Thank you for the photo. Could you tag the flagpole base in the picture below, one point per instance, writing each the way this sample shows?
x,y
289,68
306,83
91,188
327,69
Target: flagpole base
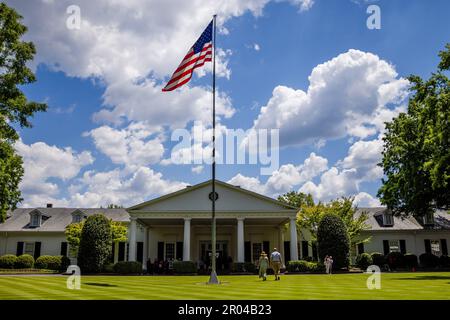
x,y
213,278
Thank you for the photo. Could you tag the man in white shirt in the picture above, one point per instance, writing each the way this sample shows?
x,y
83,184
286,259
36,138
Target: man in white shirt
x,y
275,259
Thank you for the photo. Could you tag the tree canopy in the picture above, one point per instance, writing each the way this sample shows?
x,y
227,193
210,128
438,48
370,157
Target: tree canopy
x,y
14,106
416,153
73,234
309,218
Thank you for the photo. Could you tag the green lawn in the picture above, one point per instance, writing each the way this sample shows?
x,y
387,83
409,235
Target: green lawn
x,y
340,286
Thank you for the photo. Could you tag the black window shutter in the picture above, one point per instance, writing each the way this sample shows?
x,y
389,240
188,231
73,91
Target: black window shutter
x,y
360,248
160,250
19,248
403,246
37,250
386,247
113,249
140,251
121,251
444,248
266,247
247,251
427,246
305,249
314,251
287,252
63,249
179,255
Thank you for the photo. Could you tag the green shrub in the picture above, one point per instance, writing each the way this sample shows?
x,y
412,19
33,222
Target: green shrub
x,y
240,267
298,266
332,239
428,260
309,259
237,267
395,260
24,261
364,260
444,261
249,267
305,266
128,267
8,261
378,259
57,263
411,260
184,267
108,268
95,244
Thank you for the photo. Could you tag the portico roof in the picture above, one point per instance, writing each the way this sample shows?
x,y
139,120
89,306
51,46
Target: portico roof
x,y
232,202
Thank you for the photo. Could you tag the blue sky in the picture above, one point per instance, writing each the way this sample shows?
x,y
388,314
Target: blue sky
x,y
320,75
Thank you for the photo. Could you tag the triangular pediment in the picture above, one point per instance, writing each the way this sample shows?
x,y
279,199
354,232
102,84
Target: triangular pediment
x,y
196,199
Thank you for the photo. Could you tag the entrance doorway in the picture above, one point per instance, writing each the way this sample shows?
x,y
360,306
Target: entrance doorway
x,y
223,261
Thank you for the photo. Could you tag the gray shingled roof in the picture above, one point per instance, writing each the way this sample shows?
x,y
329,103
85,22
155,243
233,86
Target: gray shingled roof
x,y
375,220
57,218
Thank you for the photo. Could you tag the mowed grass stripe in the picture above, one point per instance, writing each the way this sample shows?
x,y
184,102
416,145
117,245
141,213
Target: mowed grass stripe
x,y
340,286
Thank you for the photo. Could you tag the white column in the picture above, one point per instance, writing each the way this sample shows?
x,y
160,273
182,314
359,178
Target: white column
x,y
145,255
281,244
187,240
132,239
240,240
293,228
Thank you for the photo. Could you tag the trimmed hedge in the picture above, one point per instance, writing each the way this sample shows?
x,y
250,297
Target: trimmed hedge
x,y
24,261
395,260
184,267
8,261
364,260
411,260
304,266
58,263
128,267
428,260
378,259
240,267
444,261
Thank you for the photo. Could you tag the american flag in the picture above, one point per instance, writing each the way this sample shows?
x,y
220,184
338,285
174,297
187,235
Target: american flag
x,y
200,53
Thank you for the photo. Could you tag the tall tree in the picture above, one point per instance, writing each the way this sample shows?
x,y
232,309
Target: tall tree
x,y
14,106
309,218
297,199
333,240
95,243
416,154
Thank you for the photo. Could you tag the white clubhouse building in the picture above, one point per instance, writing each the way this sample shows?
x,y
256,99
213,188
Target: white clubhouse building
x,y
177,226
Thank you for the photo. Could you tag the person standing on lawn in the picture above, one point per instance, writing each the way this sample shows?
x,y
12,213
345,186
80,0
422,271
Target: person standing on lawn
x,y
275,258
263,265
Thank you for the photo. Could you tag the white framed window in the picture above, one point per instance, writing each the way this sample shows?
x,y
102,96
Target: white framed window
x,y
256,251
77,218
28,248
35,220
170,250
388,219
435,247
394,245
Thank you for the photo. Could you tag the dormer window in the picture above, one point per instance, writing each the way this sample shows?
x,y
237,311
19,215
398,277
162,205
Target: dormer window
x,y
428,219
35,219
77,216
388,219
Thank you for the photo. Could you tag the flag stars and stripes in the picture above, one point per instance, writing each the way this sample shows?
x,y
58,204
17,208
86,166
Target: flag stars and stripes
x,y
200,53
